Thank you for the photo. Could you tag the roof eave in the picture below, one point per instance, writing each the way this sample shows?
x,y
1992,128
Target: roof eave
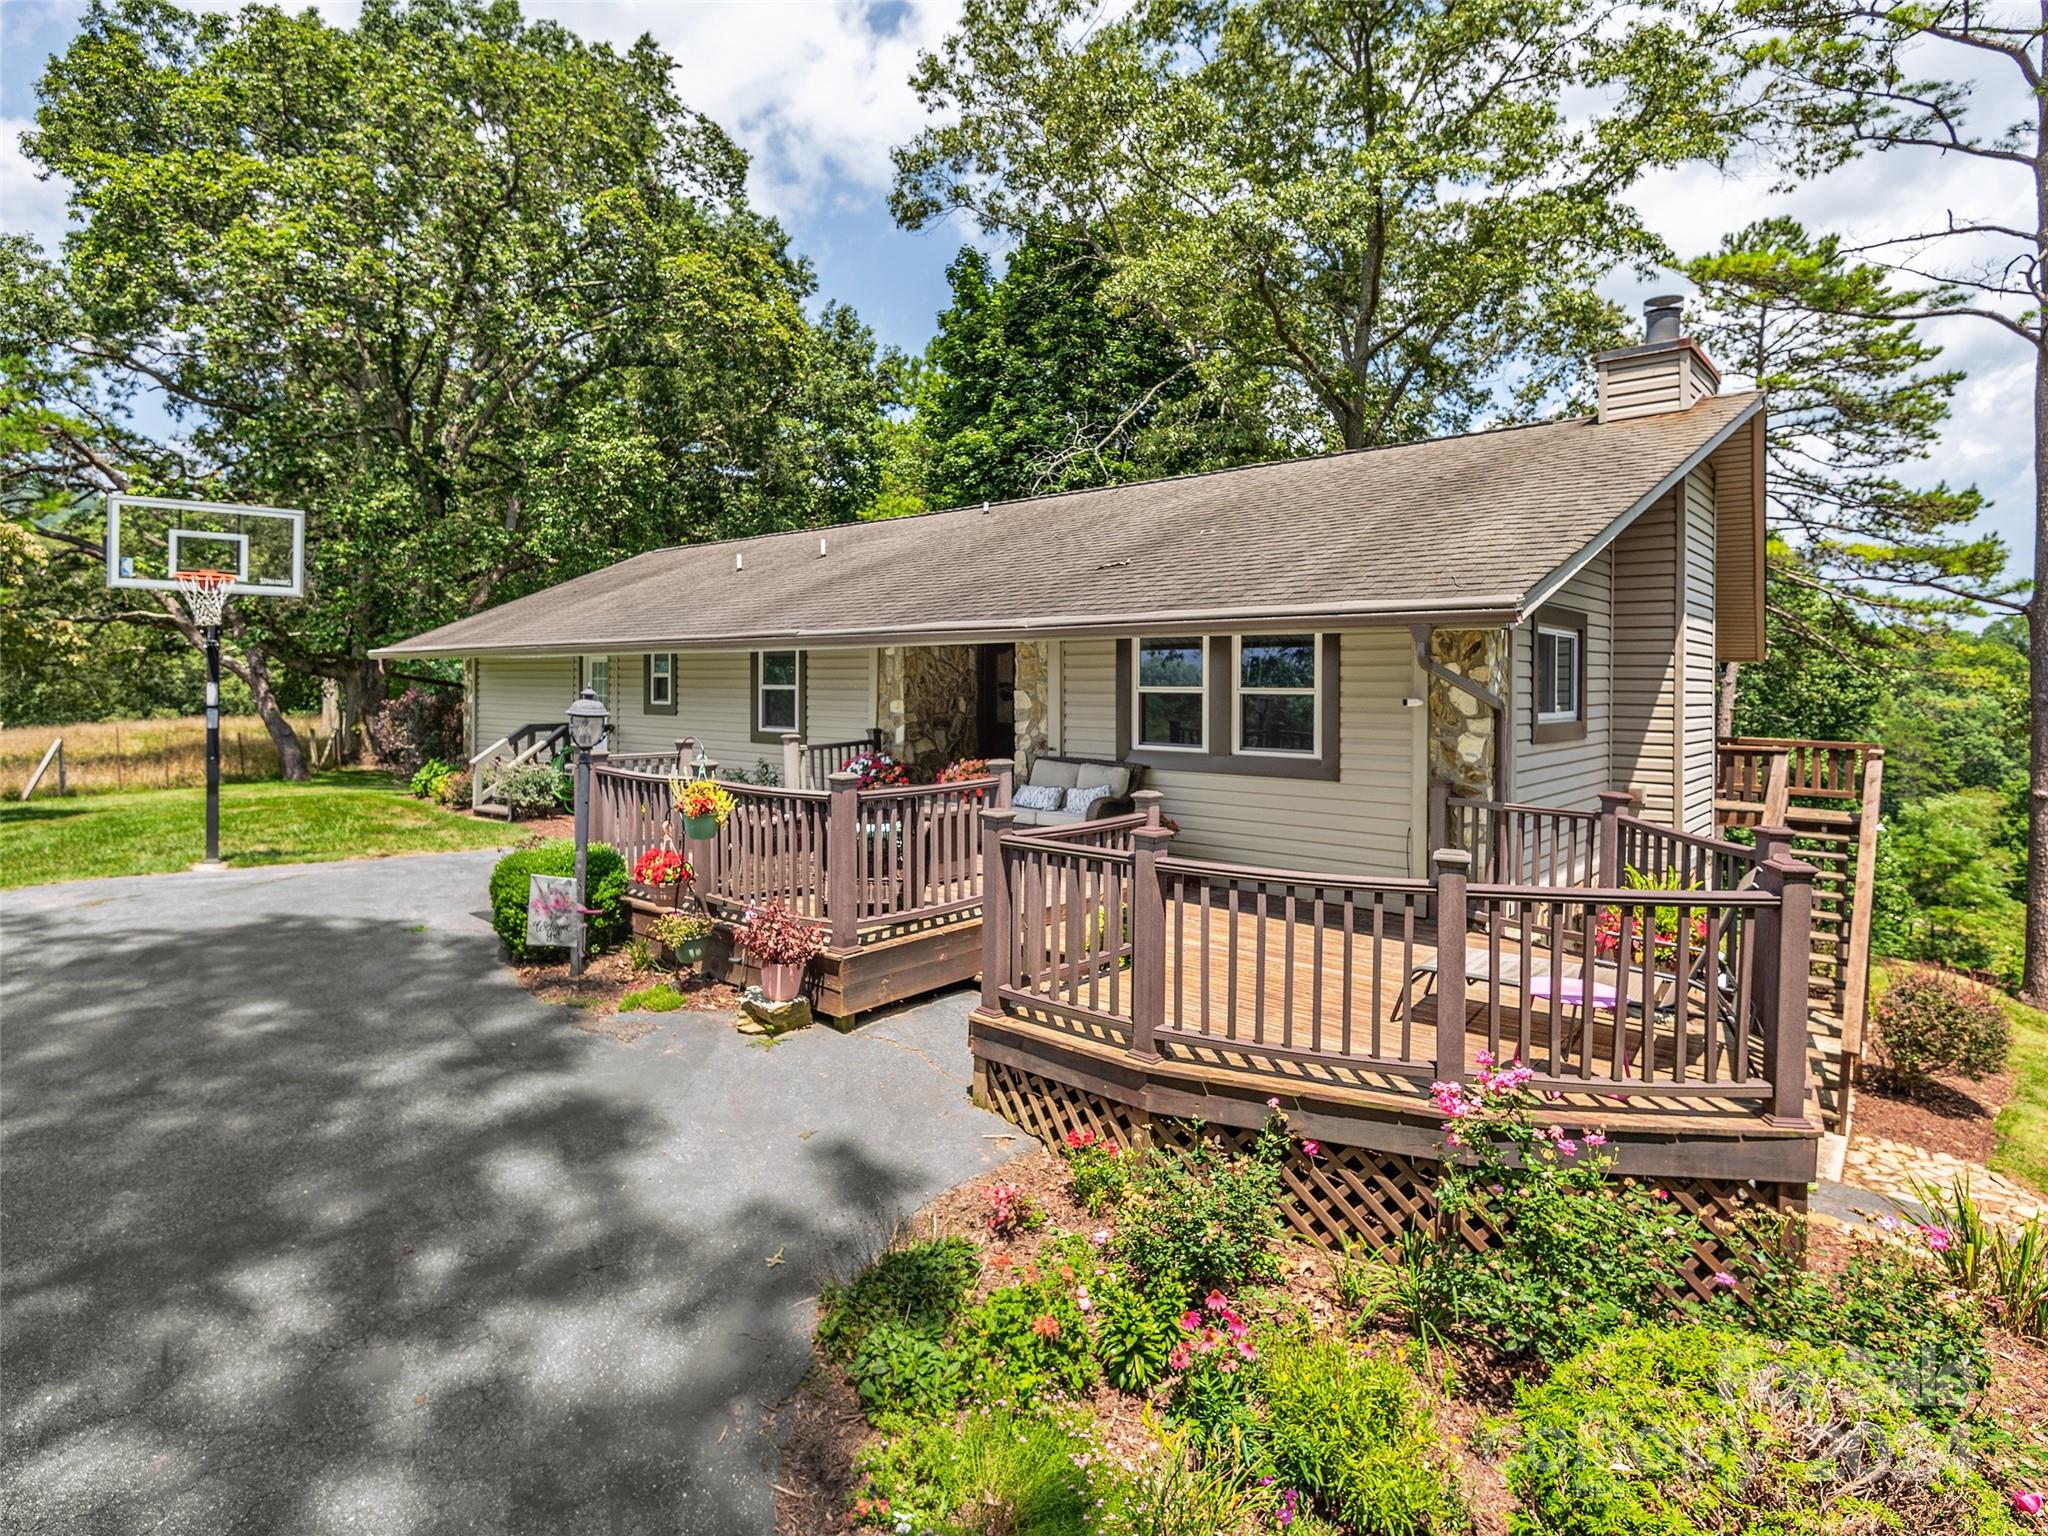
x,y
1482,610
1549,586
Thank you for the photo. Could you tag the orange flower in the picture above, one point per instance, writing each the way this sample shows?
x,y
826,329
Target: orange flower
x,y
1046,1326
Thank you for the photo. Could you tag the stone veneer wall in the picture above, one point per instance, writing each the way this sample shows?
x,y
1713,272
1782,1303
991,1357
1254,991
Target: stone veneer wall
x,y
1033,703
926,703
1462,730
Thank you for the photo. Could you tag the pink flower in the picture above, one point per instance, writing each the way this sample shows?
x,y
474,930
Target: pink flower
x,y
1311,1149
1227,1367
1723,1279
1568,1147
1216,1301
1596,1138
2025,1502
1272,1103
1661,1194
1180,1359
1484,1058
1937,1238
1100,1237
1191,1321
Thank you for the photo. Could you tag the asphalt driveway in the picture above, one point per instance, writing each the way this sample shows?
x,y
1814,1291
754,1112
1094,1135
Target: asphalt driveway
x,y
311,1220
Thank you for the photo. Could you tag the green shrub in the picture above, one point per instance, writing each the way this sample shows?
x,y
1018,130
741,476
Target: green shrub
x,y
428,778
1578,1254
1100,1171
1893,1306
988,1473
1350,1431
1135,1332
1199,1217
1179,1494
1677,1431
921,1287
897,1369
659,998
1028,1341
605,890
528,789
1928,1022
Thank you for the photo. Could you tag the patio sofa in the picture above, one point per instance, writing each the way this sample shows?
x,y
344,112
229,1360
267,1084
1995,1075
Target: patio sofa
x,y
1066,775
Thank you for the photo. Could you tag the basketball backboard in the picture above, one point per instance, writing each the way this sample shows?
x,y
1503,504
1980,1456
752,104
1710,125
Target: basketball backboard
x,y
152,538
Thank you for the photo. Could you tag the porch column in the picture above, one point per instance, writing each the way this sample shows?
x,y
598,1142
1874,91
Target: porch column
x,y
995,907
792,761
1148,928
1453,868
1788,946
1614,803
843,860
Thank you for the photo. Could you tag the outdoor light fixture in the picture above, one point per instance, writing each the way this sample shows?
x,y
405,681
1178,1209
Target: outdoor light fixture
x,y
587,720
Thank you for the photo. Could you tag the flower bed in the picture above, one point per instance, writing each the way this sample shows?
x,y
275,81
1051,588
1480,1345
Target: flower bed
x,y
1120,1339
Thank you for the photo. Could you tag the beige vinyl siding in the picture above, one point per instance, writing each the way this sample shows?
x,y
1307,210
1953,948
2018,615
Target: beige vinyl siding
x,y
839,694
1646,658
1088,698
1569,773
1670,379
714,703
1361,823
1738,546
511,691
1696,740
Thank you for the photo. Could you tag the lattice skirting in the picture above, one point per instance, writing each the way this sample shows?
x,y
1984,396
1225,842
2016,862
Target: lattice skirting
x,y
1349,1193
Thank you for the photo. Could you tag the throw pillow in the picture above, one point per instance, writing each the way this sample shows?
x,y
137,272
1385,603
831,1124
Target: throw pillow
x,y
1037,797
1081,799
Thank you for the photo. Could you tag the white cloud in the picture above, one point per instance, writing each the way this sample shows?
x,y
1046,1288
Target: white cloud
x,y
28,204
817,93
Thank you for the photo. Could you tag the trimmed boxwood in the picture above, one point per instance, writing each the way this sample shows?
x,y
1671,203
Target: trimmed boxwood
x,y
605,873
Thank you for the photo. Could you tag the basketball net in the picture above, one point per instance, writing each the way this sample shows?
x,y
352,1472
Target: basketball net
x,y
206,594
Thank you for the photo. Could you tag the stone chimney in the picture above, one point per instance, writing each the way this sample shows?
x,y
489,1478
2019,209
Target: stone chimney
x,y
1667,371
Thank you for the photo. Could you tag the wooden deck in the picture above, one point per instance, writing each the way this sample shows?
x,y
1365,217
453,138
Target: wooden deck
x,y
1283,1004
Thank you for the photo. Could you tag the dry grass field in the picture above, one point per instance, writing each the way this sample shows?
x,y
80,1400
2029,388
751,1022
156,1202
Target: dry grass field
x,y
139,754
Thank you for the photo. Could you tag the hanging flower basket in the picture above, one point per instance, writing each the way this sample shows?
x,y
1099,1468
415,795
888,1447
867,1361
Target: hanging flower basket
x,y
704,804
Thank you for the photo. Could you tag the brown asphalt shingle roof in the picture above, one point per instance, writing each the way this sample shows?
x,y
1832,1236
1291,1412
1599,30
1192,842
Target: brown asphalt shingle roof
x,y
1461,525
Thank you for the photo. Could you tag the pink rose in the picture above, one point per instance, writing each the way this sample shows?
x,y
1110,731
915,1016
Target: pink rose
x,y
2025,1502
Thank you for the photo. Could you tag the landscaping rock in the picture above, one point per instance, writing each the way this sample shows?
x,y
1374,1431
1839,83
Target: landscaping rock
x,y
758,1016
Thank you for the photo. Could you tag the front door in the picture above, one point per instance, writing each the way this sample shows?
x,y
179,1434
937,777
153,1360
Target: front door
x,y
995,726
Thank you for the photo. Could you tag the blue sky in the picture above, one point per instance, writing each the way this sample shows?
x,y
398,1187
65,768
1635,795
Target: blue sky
x,y
818,93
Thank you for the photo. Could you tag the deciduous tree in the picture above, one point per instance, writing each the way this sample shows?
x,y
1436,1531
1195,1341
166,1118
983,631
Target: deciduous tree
x,y
1381,212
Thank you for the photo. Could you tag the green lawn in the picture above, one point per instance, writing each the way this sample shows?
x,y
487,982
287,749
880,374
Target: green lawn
x,y
337,816
2023,1124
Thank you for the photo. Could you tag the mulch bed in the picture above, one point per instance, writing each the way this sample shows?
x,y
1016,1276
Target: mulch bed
x,y
607,978
1943,1114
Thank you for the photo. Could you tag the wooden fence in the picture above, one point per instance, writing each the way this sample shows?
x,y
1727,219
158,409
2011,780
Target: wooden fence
x,y
1604,990
863,863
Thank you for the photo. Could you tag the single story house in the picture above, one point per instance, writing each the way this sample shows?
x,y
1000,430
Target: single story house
x,y
1292,652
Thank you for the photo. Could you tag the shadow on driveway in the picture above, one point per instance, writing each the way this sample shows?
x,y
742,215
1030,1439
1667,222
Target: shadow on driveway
x,y
315,1221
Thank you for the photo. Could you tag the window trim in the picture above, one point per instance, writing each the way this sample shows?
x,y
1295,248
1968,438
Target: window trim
x,y
649,704
1327,768
1313,692
759,731
1138,691
585,677
1557,725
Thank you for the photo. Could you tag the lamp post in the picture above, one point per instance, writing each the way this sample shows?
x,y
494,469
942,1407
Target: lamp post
x,y
587,722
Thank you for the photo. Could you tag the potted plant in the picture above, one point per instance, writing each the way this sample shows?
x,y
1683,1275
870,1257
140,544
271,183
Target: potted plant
x,y
705,805
963,770
660,868
781,943
682,934
877,770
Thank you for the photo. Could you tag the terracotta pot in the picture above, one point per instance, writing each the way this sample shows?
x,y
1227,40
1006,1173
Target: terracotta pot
x,y
782,983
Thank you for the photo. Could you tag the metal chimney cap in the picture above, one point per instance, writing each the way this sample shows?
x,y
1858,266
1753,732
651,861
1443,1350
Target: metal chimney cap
x,y
1664,317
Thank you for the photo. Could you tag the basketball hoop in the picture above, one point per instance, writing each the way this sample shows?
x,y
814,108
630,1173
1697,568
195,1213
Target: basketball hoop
x,y
206,594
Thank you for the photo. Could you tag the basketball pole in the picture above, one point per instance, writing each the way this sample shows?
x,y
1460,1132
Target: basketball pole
x,y
212,633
